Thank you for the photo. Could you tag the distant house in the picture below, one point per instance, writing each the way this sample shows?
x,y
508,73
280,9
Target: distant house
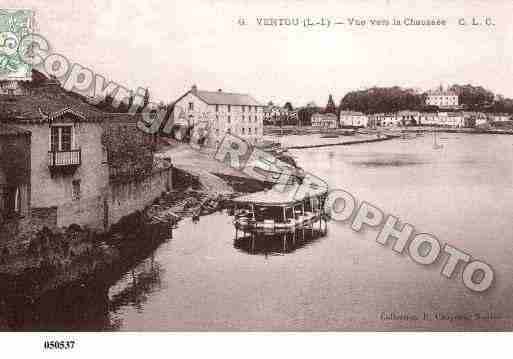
x,y
407,118
384,119
448,119
353,118
276,115
481,119
428,118
324,120
222,112
442,98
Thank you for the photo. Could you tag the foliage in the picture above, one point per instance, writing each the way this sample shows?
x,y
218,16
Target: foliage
x,y
129,151
305,114
473,97
330,107
382,100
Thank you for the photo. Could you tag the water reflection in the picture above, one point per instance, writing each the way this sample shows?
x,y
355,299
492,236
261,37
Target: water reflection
x,y
134,288
91,306
278,244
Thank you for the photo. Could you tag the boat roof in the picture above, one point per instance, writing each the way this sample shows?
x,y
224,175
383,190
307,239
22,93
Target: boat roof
x,y
280,196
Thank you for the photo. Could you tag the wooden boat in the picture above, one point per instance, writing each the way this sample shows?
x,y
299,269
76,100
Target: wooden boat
x,y
276,211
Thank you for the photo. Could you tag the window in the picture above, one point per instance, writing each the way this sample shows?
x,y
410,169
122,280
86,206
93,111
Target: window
x,y
229,108
229,130
242,118
243,132
249,129
217,108
60,138
191,106
243,108
229,119
75,190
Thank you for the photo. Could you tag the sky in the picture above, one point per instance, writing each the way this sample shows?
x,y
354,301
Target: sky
x,y
168,46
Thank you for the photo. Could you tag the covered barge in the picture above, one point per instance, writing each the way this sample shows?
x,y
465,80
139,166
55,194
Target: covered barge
x,y
280,211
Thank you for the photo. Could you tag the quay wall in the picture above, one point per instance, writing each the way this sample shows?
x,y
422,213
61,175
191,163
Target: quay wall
x,y
127,197
118,199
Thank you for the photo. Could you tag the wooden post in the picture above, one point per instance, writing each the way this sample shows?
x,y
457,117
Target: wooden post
x,y
284,242
284,214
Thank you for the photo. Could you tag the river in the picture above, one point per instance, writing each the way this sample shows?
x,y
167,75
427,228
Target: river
x,y
202,280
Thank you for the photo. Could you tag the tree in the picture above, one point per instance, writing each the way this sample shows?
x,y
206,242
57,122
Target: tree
x,y
381,99
305,114
146,99
473,97
330,107
288,106
131,99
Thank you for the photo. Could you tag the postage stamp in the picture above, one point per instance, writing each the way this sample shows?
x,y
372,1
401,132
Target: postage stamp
x,y
14,25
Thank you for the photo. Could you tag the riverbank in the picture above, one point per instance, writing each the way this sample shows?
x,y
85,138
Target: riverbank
x,y
429,129
76,256
345,143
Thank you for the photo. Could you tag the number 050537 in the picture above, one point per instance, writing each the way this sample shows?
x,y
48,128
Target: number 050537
x,y
59,344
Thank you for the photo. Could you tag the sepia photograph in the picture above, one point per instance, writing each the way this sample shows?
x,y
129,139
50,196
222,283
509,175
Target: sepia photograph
x,y
255,166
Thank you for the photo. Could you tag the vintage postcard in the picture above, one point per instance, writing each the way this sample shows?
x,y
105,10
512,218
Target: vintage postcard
x,y
222,165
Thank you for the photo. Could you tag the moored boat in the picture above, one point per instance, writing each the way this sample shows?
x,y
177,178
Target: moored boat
x,y
276,211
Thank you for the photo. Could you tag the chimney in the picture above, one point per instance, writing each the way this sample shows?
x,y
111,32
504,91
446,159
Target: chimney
x,y
219,90
194,89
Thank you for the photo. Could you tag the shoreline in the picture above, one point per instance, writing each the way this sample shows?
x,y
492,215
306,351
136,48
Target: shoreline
x,y
471,131
101,259
346,143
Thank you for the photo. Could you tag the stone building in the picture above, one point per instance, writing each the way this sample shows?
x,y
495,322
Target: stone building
x,y
442,98
68,163
324,120
62,163
353,118
220,112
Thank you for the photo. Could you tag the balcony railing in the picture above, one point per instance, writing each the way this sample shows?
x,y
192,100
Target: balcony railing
x,y
70,158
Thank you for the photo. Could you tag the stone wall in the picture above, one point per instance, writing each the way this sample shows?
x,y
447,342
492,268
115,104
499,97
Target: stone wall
x,y
43,217
119,199
86,212
129,196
